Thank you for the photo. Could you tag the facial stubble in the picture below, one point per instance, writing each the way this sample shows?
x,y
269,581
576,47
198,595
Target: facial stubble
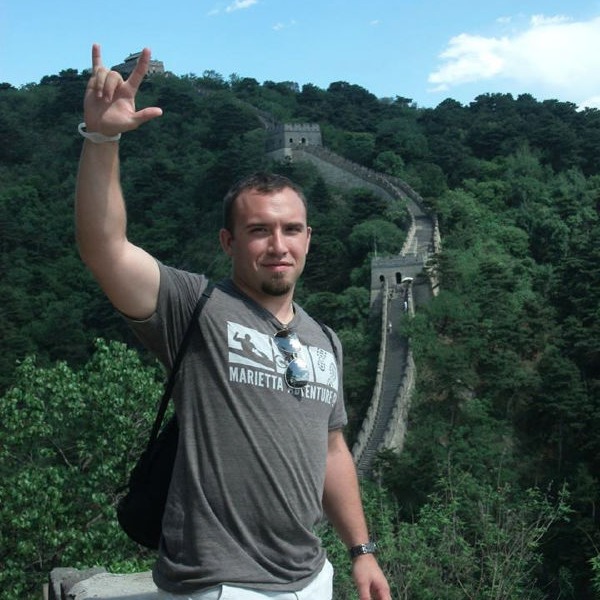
x,y
276,286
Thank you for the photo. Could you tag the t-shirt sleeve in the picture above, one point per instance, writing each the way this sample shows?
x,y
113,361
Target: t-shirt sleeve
x,y
163,331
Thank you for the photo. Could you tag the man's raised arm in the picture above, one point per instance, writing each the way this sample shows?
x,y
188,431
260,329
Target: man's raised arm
x,y
128,274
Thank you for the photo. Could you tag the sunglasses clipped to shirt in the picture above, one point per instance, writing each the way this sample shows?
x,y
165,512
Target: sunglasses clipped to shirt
x,y
296,373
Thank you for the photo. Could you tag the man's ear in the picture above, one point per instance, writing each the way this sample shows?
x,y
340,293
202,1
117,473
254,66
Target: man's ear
x,y
308,236
226,240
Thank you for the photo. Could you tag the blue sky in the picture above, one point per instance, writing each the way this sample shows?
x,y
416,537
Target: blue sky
x,y
419,49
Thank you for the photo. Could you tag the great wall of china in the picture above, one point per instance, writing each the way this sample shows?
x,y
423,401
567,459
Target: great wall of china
x,y
398,284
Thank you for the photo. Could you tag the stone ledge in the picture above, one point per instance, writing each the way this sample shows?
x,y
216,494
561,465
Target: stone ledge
x,y
63,579
71,584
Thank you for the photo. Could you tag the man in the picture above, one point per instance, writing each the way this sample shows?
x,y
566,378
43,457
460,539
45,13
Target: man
x,y
259,397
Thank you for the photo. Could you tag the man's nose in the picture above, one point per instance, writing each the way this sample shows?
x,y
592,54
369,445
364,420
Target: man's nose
x,y
278,245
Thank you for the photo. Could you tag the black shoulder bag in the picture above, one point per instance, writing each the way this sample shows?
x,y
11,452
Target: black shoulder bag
x,y
141,509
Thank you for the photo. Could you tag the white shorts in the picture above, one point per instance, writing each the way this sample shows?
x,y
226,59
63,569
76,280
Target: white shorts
x,y
320,588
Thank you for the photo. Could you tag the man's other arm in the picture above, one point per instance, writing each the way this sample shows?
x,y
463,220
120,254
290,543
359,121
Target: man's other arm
x,y
343,506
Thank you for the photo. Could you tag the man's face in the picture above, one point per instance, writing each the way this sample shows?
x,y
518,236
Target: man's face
x,y
269,242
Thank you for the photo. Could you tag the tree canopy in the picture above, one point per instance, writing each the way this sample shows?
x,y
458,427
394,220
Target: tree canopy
x,y
500,473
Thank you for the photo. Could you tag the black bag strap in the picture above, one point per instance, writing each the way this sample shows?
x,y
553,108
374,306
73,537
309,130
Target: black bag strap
x,y
327,332
162,408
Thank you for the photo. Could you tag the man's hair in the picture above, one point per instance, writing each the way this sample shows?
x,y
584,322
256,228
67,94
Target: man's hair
x,y
262,182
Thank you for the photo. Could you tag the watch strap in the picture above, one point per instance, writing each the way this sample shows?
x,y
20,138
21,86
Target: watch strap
x,y
360,549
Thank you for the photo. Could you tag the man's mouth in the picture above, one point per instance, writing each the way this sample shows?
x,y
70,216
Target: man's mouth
x,y
277,266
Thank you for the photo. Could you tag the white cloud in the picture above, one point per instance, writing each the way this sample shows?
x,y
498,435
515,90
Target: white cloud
x,y
552,54
592,102
279,26
469,58
240,5
541,20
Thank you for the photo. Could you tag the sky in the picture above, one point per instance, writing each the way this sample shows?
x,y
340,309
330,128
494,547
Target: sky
x,y
423,50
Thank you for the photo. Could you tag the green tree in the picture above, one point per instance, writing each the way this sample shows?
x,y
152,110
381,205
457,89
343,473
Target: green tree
x,y
351,106
375,235
390,163
404,137
358,147
68,439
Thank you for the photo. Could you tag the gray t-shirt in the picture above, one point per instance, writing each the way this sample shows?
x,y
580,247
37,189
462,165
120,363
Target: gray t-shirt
x,y
248,480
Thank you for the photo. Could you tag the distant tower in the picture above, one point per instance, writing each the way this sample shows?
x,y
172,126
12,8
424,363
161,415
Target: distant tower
x,y
125,68
284,137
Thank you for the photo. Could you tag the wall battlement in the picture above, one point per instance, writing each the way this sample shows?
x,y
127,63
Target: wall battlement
x,y
283,137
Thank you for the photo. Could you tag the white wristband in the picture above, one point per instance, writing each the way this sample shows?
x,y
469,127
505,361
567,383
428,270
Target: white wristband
x,y
97,138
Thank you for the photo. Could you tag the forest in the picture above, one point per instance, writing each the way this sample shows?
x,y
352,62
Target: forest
x,y
494,495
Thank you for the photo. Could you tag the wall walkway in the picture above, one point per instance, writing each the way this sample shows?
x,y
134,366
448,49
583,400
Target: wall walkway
x,y
398,285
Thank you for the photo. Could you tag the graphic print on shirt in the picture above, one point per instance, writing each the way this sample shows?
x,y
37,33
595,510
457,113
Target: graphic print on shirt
x,y
254,359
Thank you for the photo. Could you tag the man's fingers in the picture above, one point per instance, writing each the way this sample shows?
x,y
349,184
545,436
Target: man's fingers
x,y
112,81
104,83
110,101
96,57
97,82
141,68
147,114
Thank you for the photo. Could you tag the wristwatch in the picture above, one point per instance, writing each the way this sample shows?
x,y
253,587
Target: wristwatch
x,y
368,548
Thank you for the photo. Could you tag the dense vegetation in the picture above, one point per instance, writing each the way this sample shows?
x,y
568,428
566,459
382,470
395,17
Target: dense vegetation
x,y
495,493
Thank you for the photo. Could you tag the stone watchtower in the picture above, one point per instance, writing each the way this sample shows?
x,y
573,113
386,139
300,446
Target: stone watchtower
x,y
284,137
397,271
127,66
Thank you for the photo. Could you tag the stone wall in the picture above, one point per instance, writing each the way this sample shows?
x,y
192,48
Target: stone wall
x,y
74,584
366,430
385,272
396,429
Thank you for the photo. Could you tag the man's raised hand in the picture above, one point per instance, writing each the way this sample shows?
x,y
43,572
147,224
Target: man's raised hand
x,y
109,105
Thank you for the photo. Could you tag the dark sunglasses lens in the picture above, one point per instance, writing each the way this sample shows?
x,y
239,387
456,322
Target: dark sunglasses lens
x,y
296,374
288,342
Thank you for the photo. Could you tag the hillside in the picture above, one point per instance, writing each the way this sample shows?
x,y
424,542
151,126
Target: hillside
x,y
507,354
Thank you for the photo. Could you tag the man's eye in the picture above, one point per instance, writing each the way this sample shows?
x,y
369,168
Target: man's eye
x,y
258,230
